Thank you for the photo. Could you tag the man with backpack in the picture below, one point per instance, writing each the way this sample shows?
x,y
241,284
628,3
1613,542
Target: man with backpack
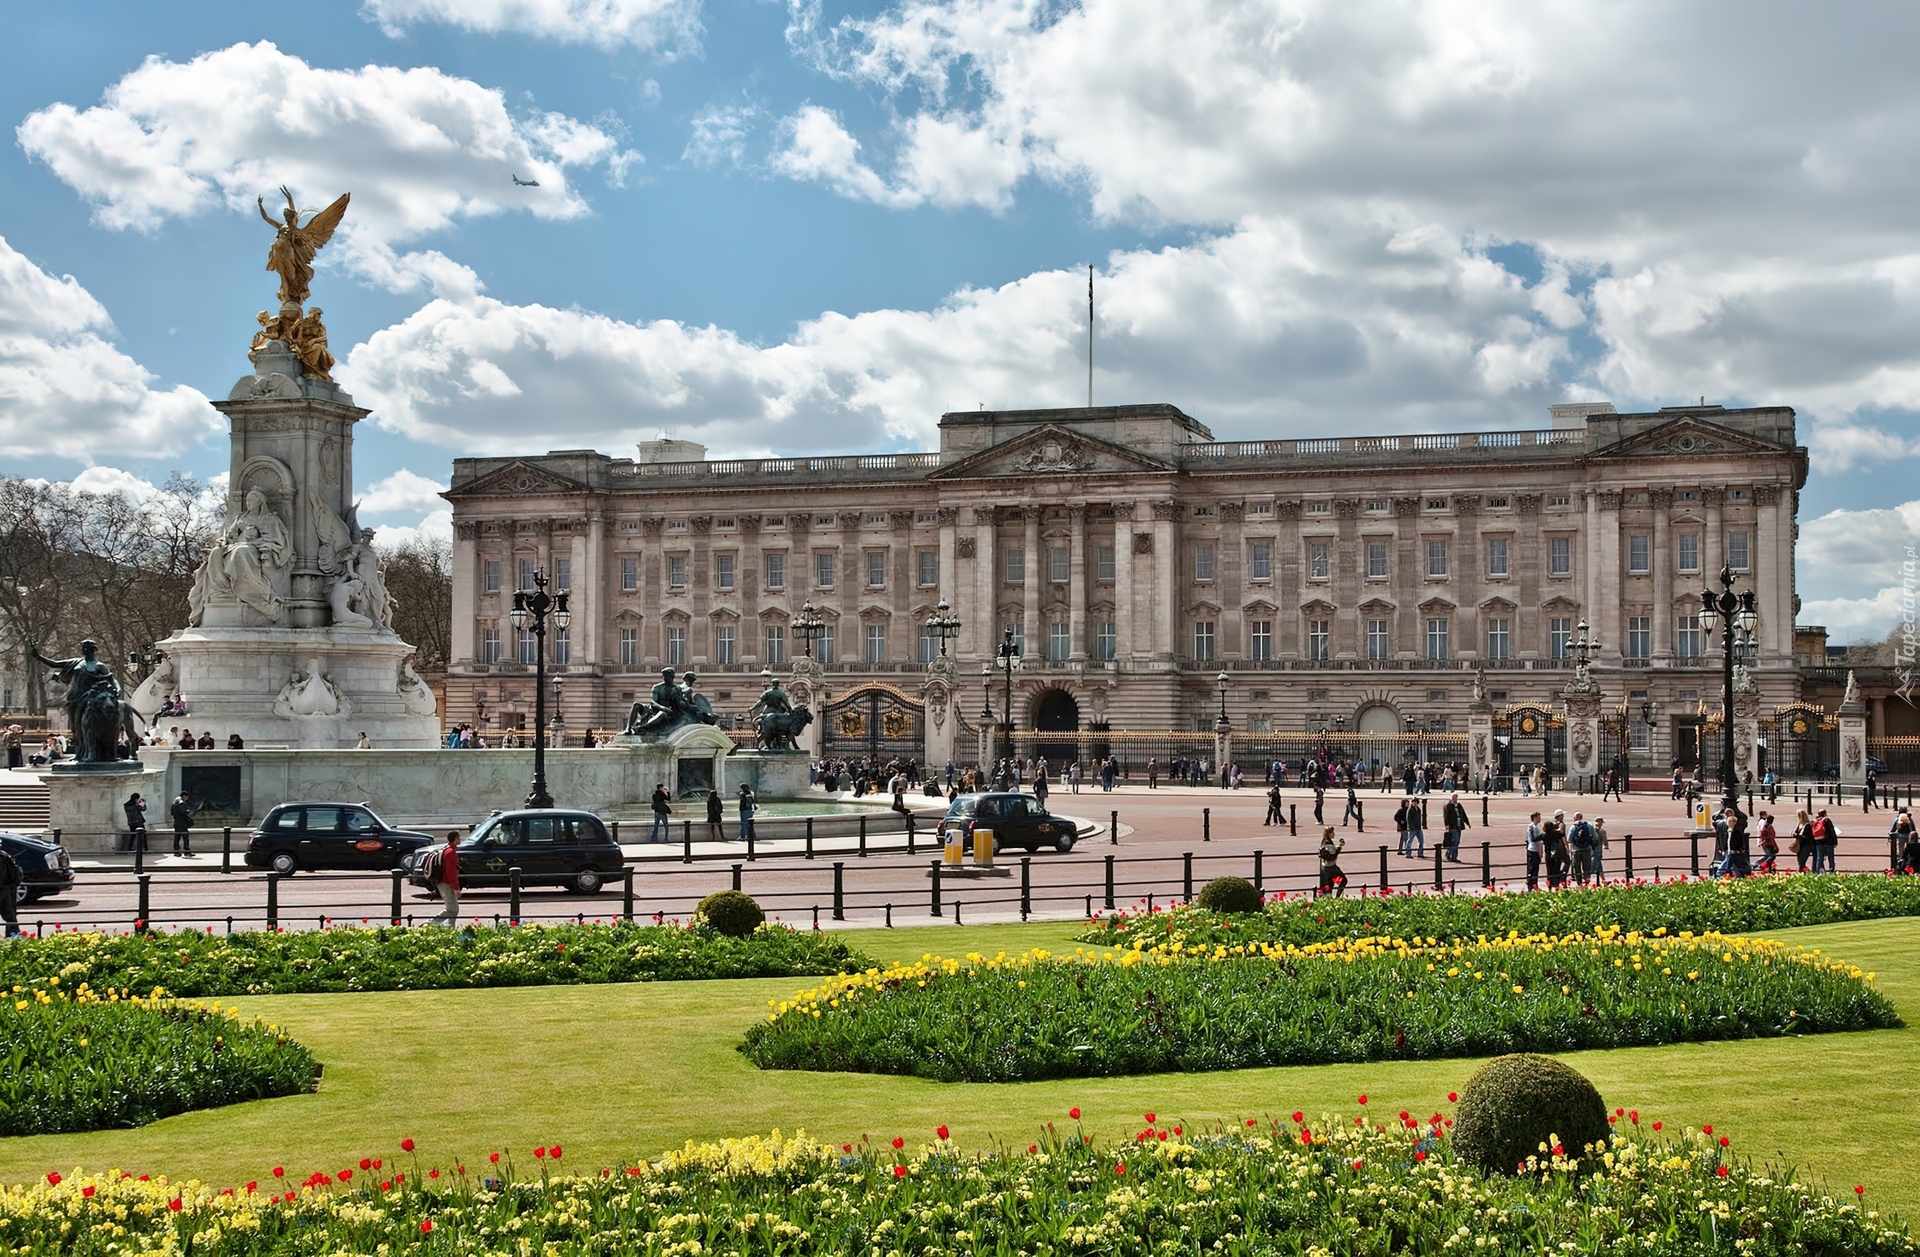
x,y
1581,839
1826,841
440,871
661,831
1453,818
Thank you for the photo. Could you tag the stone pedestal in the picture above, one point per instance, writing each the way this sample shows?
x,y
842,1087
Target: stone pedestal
x,y
771,774
689,761
1482,762
89,807
1582,699
1746,735
1853,735
235,681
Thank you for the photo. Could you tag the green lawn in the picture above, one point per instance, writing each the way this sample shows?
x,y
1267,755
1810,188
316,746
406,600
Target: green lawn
x,y
615,1072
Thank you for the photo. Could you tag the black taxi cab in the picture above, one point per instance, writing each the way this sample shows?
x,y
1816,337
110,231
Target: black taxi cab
x,y
297,837
550,847
1017,820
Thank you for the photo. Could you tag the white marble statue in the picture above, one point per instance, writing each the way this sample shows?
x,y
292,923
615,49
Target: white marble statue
x,y
309,694
152,692
416,693
357,592
254,550
342,594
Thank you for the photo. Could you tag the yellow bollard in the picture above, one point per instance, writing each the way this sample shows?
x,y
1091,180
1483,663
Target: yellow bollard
x,y
955,846
983,848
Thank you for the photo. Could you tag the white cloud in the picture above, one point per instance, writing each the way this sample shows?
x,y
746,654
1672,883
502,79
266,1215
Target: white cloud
x,y
662,26
419,149
1857,621
1852,550
719,135
105,480
1262,329
436,524
401,492
66,390
814,146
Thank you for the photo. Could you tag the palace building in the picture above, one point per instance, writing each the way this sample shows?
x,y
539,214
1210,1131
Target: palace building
x,y
1347,587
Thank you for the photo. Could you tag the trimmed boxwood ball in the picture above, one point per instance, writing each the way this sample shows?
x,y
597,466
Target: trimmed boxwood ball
x,y
731,912
1230,894
1513,1104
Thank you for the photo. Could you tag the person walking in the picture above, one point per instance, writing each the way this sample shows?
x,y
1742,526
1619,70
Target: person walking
x,y
442,873
1453,818
1319,804
1400,826
1906,844
662,808
1273,807
1676,781
1580,842
1040,787
1599,853
10,878
182,814
1802,840
748,806
1417,828
1739,862
1536,849
136,810
1353,805
1826,841
1331,877
716,817
1153,774
1870,795
1354,809
1769,845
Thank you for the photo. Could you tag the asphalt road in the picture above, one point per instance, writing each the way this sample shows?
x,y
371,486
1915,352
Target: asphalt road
x,y
1162,835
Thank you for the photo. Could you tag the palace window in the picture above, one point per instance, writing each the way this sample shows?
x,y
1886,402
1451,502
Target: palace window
x,y
1498,504
1496,556
776,644
1737,557
490,645
1686,637
823,647
1559,556
526,573
676,572
823,571
1499,637
1318,508
1259,508
1639,637
1560,501
929,645
776,562
493,576
676,645
1319,560
1376,560
1318,639
1203,512
1103,640
1019,628
1379,506
1203,563
1559,633
527,648
629,647
1260,640
929,561
1639,552
1437,557
723,653
1016,567
876,569
1059,645
562,648
562,574
1103,563
876,643
1436,637
1059,566
1261,565
1202,641
1689,557
723,571
629,573
1376,639
1436,504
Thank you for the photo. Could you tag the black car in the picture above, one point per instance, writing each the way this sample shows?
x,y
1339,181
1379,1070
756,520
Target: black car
x,y
310,836
550,847
44,866
1017,820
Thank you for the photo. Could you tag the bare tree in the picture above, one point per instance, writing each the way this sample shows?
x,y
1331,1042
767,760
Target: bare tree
x,y
419,575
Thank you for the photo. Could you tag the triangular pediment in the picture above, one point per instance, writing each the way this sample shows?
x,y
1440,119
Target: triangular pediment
x,y
1689,437
1052,450
516,479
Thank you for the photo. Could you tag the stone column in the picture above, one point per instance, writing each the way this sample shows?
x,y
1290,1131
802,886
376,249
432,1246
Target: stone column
x,y
1469,569
1123,550
1033,578
1746,731
1166,580
903,630
1582,700
1527,561
591,588
1349,577
1481,760
1287,583
1077,586
1409,578
700,592
848,583
948,585
1601,604
1712,539
466,584
1772,569
1662,559
1853,735
1230,578
986,578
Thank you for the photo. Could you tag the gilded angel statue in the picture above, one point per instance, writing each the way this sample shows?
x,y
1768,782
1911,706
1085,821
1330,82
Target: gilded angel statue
x,y
294,244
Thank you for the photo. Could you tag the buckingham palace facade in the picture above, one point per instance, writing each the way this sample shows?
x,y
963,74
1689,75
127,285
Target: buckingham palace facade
x,y
1346,583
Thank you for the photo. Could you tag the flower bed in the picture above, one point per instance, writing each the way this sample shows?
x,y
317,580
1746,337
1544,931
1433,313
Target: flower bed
x,y
1170,1008
1729,905
88,1060
1263,1187
269,963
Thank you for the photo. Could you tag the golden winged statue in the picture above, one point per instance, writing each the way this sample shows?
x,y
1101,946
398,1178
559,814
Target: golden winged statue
x,y
294,244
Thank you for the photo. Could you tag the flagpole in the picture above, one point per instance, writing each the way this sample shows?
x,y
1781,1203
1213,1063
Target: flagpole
x,y
1089,336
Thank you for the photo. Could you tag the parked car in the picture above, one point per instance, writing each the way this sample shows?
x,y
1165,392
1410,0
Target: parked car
x,y
1830,771
44,866
1017,820
550,847
303,837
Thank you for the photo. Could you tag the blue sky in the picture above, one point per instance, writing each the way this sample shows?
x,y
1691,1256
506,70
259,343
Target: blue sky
x,y
813,226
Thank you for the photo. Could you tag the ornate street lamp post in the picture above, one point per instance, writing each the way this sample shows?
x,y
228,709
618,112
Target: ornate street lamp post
x,y
531,611
1008,653
559,717
808,627
943,625
1737,615
144,660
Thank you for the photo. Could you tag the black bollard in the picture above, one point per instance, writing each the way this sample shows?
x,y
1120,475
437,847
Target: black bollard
x,y
1206,824
1695,840
912,844
1109,883
750,837
1113,829
839,891
1293,820
1629,842
1483,811
626,895
226,849
1486,864
273,901
399,882
936,890
1026,886
1259,871
809,842
1439,866
1383,869
513,895
616,832
144,913
686,844
1186,878
736,876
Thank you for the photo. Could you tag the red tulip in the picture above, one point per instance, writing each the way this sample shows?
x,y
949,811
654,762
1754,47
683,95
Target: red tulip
x,y
1721,1171
1249,1121
87,1190
1121,1168
366,1163
1453,1097
251,1184
1363,1098
345,1175
899,1171
1657,1125
554,1152
176,1204
1859,1190
1032,1148
540,1153
494,1157
940,1131
1724,1141
1074,1112
406,1145
1298,1116
426,1225
53,1178
279,1171
1149,1119
899,1142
